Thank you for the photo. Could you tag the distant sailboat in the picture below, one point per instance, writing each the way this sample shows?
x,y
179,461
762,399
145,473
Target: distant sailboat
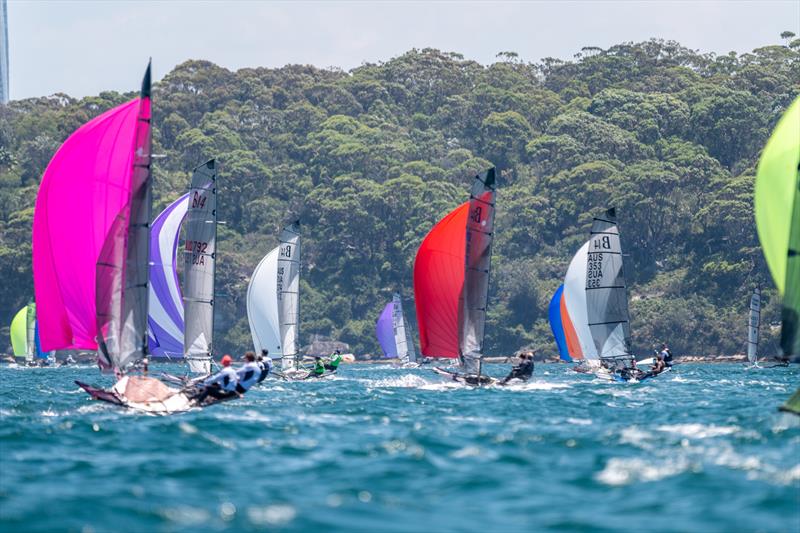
x,y
25,337
391,332
273,300
753,327
451,279
165,301
199,268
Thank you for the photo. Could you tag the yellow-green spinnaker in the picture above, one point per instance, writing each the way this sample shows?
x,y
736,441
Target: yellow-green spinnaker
x,y
19,332
777,197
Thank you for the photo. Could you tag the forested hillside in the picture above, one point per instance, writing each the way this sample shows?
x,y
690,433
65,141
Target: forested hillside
x,y
370,159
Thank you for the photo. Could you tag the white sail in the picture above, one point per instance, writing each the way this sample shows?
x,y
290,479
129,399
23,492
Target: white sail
x,y
262,306
30,331
606,295
477,260
405,349
575,300
199,268
288,293
754,326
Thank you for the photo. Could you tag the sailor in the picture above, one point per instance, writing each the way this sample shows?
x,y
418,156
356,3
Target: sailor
x,y
220,385
522,371
666,354
248,374
265,363
333,361
319,367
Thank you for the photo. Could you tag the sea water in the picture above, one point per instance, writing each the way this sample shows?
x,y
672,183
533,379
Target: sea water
x,y
702,448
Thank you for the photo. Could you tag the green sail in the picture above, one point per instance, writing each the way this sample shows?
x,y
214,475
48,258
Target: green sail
x,y
778,218
19,333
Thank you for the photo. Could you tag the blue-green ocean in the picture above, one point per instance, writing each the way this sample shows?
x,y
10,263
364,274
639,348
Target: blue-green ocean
x,y
701,448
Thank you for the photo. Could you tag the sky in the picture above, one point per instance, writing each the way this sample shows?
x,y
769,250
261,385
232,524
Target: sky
x,y
84,47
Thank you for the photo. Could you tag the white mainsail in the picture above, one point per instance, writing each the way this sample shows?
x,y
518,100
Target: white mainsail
x,y
273,303
30,331
405,349
606,295
754,326
199,268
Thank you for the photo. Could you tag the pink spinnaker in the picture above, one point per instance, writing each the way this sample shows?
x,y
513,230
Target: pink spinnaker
x,y
84,188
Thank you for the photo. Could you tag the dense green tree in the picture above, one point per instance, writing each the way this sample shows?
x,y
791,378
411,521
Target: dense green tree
x,y
370,159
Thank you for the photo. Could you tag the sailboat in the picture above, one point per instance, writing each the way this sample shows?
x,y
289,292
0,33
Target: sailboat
x,y
25,338
451,282
777,209
165,301
273,302
91,236
390,329
200,266
753,327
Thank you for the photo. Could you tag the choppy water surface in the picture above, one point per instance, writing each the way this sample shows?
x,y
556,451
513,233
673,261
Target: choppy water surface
x,y
702,448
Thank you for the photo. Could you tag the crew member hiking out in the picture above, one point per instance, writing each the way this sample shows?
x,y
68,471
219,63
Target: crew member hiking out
x,y
319,367
666,354
523,370
249,373
266,365
333,361
220,385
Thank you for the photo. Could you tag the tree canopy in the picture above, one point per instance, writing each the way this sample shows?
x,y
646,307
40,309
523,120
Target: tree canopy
x,y
370,159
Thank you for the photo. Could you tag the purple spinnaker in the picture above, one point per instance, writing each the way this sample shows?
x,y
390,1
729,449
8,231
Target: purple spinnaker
x,y
165,304
385,331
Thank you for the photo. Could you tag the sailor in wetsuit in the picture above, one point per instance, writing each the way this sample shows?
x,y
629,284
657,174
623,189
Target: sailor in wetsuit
x,y
220,385
249,373
522,371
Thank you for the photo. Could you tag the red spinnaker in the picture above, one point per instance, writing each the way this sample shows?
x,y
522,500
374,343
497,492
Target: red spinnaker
x,y
438,281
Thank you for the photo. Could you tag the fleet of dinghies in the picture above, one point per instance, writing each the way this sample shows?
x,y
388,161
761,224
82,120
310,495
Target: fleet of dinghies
x,y
106,279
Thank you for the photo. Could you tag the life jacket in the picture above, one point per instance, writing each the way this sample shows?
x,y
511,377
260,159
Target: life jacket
x,y
319,367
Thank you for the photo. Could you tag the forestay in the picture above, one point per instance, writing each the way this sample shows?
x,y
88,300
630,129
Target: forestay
x,y
165,302
199,268
477,262
606,295
753,326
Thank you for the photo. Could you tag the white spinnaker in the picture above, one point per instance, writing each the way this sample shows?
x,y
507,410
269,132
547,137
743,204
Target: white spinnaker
x,y
262,306
288,293
405,349
754,326
575,299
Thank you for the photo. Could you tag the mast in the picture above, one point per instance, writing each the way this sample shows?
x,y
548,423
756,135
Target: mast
x,y
754,326
200,268
474,297
123,264
606,293
288,293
